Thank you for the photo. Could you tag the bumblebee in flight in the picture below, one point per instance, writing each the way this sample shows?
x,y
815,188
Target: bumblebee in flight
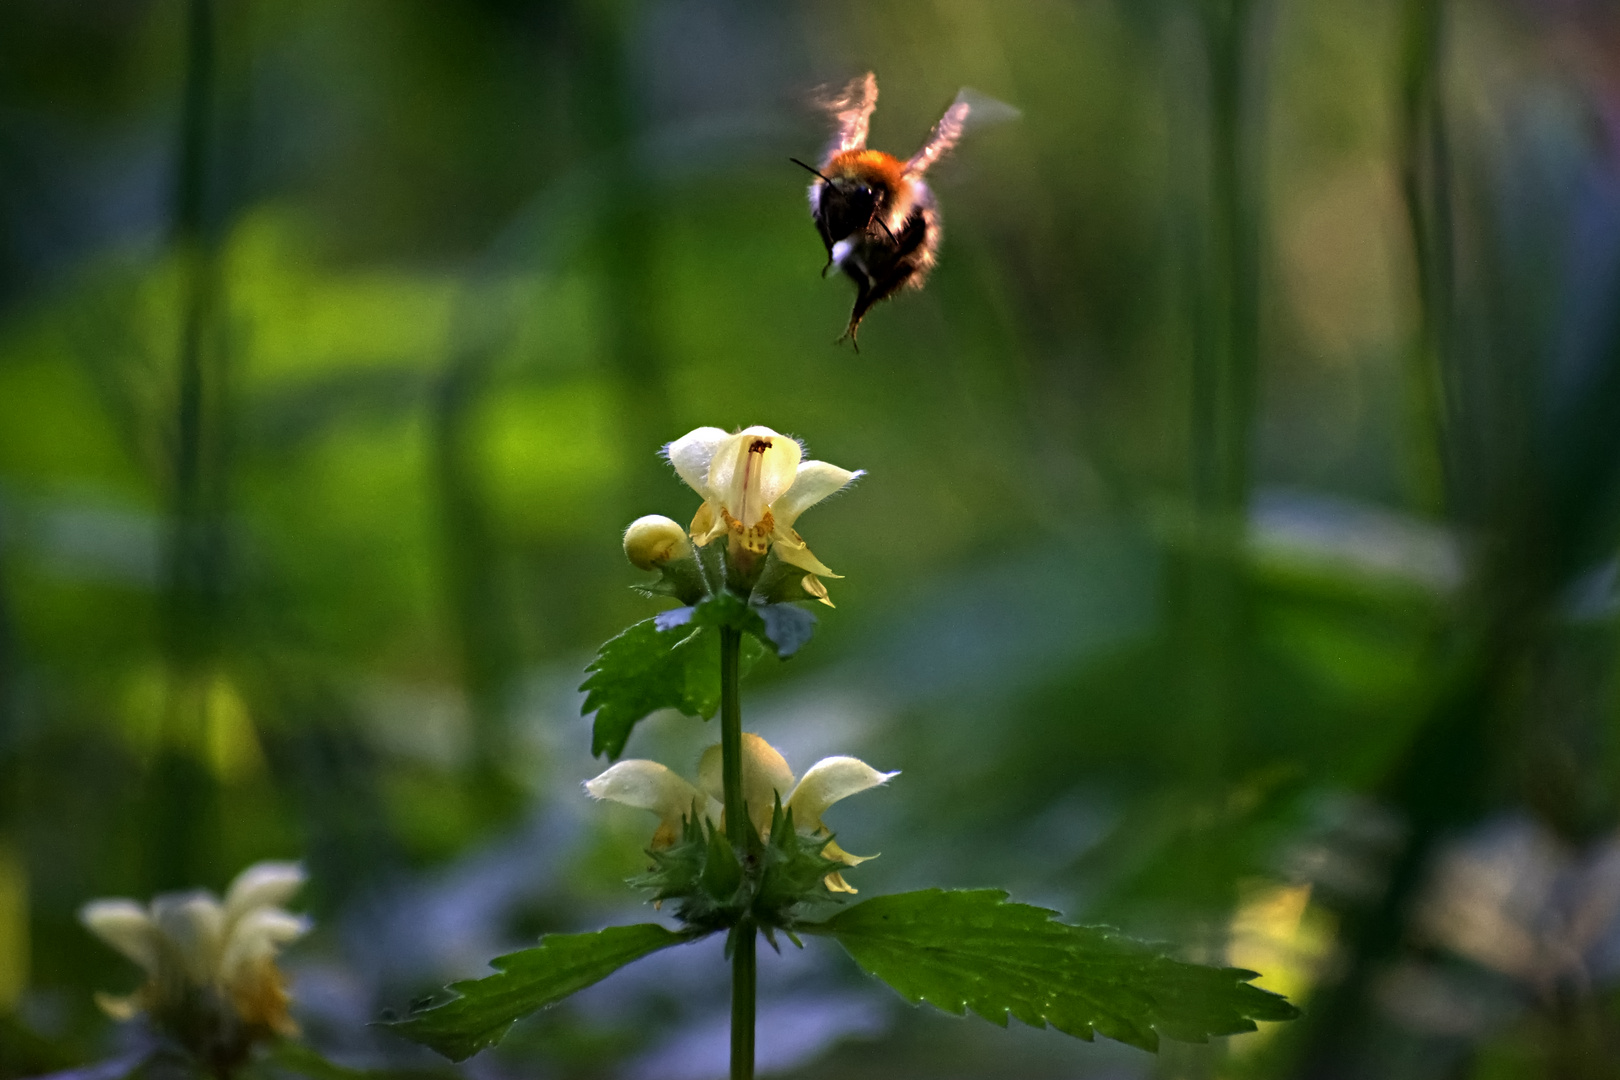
x,y
875,214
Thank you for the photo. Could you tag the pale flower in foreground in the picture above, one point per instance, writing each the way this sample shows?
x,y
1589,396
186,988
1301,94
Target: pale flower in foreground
x,y
211,976
766,777
754,487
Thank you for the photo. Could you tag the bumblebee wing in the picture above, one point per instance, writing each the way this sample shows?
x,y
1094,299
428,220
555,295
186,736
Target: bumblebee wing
x,y
852,113
969,103
942,138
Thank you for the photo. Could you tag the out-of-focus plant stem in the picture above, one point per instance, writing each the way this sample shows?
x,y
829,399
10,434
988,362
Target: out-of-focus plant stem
x,y
1224,372
181,796
1207,594
1223,354
489,656
1438,785
1224,360
627,229
737,825
1372,935
1426,187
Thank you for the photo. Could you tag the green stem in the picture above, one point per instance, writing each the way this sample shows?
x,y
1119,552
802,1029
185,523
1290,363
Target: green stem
x,y
742,1002
737,826
731,738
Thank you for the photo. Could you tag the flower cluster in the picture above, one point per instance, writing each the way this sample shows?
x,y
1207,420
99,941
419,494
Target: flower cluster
x,y
767,783
211,977
754,485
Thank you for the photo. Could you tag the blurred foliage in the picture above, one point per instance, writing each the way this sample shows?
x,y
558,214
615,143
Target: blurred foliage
x,y
1236,563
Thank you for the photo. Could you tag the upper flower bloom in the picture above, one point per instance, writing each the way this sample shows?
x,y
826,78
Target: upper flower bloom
x,y
754,487
766,778
211,976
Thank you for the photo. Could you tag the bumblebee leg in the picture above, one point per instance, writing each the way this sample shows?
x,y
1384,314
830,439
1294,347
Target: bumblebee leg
x,y
849,335
864,299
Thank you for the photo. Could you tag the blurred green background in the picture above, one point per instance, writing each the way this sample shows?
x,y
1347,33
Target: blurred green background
x,y
1236,563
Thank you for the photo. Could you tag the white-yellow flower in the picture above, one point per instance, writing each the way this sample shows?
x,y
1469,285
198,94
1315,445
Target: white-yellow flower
x,y
195,948
755,485
766,777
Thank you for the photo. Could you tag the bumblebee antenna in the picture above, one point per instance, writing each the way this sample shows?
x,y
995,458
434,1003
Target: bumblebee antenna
x,y
818,172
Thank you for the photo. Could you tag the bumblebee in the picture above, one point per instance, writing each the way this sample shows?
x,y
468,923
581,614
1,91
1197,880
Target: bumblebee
x,y
876,216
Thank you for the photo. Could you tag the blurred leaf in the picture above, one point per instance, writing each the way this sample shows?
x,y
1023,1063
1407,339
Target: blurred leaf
x,y
648,668
528,981
960,950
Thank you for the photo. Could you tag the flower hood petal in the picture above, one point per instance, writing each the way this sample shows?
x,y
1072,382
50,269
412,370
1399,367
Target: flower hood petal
x,y
813,482
262,885
692,453
257,937
751,470
765,776
193,926
126,926
828,781
648,785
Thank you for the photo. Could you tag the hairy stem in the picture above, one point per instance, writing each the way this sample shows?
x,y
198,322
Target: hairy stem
x,y
737,825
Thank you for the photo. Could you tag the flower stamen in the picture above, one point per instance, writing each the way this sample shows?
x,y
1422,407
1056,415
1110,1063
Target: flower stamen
x,y
754,538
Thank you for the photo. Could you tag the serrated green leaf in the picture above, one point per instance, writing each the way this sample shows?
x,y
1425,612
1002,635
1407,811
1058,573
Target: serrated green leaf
x,y
645,669
528,981
960,950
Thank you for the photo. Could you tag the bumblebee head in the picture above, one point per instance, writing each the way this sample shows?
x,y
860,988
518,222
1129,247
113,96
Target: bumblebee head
x,y
848,206
858,191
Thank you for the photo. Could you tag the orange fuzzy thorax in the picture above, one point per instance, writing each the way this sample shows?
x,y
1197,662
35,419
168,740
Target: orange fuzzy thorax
x,y
869,165
879,171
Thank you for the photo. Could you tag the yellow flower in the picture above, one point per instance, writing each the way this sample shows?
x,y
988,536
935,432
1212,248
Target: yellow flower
x,y
211,976
766,777
654,540
754,487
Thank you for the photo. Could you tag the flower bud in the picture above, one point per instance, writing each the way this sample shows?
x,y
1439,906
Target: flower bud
x,y
654,540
